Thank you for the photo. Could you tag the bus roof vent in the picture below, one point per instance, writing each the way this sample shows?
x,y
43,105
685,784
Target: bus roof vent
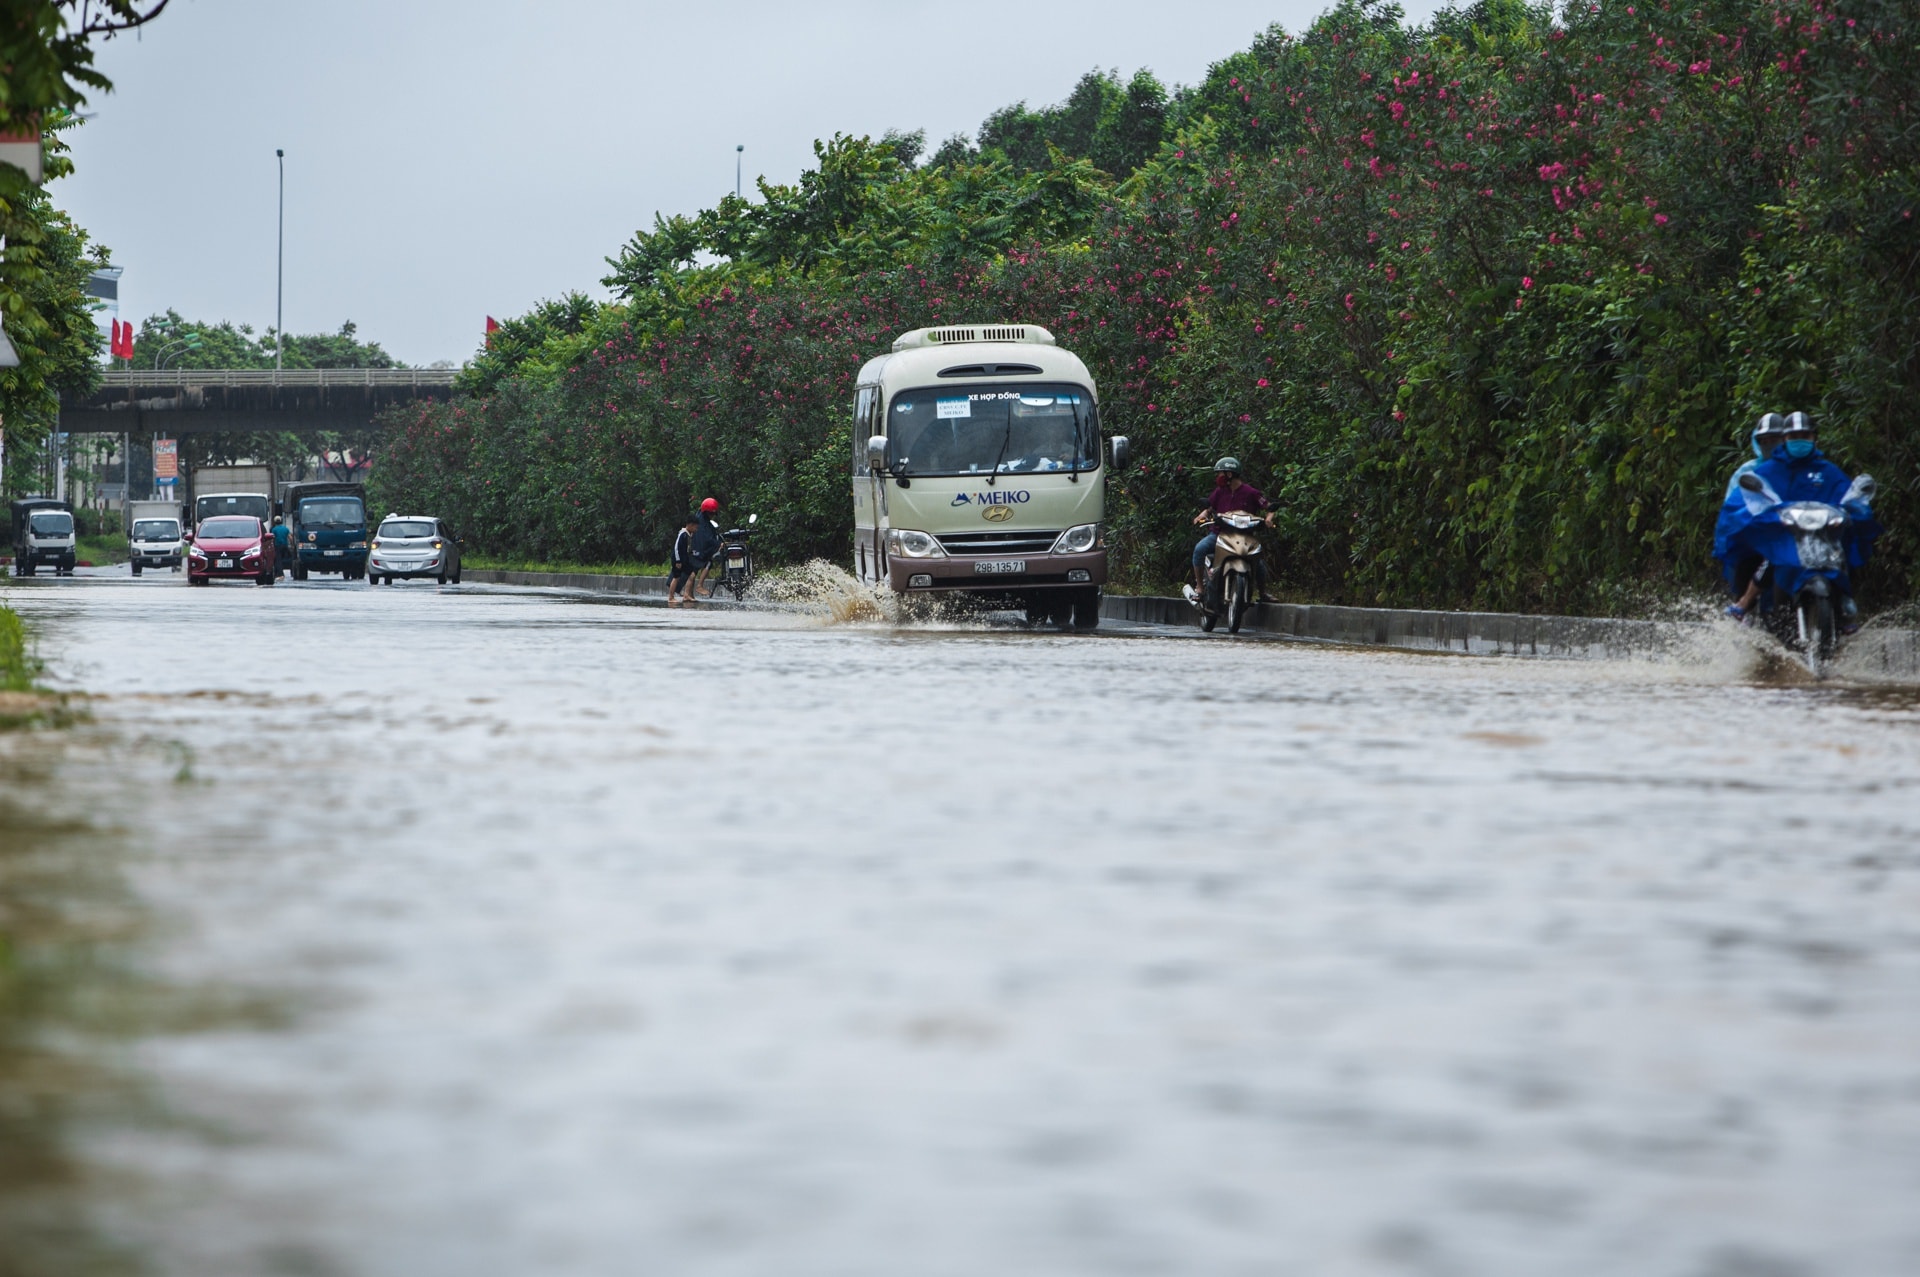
x,y
922,338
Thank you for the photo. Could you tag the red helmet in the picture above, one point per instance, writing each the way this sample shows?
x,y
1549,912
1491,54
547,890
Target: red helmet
x,y
709,506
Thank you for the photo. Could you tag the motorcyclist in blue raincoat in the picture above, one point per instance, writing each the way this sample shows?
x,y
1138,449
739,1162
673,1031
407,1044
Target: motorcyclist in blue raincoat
x,y
1795,471
1748,572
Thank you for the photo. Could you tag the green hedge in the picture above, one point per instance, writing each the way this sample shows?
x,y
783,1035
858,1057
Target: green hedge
x,y
1487,305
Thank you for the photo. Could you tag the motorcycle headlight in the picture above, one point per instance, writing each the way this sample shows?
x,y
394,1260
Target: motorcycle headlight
x,y
913,545
1078,540
1810,518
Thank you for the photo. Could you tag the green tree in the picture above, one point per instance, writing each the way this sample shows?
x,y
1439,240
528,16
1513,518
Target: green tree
x,y
46,73
1131,132
47,315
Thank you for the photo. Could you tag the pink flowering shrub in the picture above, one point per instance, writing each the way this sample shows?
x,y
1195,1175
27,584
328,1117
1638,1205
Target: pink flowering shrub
x,y
1488,309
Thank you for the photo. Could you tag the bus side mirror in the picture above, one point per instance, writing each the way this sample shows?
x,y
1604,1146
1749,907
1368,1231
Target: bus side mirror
x,y
1120,452
877,452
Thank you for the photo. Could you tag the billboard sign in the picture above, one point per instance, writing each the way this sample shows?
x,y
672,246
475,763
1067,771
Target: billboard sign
x,y
166,459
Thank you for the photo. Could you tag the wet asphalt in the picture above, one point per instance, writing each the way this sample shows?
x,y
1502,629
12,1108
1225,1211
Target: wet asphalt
x,y
570,935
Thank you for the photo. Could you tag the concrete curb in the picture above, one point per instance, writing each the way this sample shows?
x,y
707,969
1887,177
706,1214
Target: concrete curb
x,y
1474,633
602,583
1889,653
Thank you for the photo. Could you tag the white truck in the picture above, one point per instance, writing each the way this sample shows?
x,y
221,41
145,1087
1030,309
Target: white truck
x,y
153,535
231,490
43,536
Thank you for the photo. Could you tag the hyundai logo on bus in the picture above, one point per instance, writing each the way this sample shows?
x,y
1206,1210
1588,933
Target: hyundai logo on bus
x,y
996,497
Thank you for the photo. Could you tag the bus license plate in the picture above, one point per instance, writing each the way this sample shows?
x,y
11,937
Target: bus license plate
x,y
1000,567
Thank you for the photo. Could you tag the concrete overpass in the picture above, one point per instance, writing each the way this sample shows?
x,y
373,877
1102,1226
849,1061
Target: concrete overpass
x,y
177,401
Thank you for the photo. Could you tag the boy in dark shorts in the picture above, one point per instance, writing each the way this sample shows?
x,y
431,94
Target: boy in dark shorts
x,y
684,565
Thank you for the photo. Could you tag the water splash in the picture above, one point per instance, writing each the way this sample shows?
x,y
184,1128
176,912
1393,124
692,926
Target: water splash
x,y
1694,642
833,594
826,590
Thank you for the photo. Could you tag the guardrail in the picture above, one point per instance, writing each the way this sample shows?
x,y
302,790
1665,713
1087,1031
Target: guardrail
x,y
149,379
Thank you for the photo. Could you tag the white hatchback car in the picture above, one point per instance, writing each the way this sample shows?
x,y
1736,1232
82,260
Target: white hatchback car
x,y
410,545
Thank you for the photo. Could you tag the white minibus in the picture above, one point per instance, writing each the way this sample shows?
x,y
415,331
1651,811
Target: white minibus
x,y
978,472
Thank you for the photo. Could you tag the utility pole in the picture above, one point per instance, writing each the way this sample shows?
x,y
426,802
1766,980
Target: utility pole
x,y
280,269
739,159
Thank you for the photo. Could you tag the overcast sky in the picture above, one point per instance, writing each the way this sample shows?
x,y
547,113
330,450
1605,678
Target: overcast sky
x,y
451,159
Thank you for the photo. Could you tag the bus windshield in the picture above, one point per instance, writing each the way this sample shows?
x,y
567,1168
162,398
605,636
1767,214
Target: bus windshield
x,y
994,430
332,512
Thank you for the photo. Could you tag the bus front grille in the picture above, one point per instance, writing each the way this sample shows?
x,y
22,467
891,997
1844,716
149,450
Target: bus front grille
x,y
999,542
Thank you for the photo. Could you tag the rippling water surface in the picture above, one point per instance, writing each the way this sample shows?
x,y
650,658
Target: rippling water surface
x,y
606,940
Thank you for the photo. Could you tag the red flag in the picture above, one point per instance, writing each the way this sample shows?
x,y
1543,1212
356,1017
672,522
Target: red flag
x,y
493,326
122,346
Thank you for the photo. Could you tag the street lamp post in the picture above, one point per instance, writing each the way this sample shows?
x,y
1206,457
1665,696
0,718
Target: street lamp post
x,y
180,347
280,268
739,159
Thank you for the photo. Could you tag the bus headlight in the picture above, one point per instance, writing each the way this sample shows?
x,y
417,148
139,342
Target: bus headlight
x,y
1079,540
913,545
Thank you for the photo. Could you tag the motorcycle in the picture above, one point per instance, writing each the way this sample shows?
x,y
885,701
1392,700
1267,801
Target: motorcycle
x,y
1230,572
1805,545
736,559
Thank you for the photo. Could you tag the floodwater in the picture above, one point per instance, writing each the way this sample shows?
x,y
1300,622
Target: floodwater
x,y
574,936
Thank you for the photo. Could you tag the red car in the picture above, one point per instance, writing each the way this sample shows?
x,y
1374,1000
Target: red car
x,y
234,545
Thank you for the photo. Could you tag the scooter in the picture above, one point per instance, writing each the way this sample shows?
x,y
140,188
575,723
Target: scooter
x,y
1805,545
1230,571
736,559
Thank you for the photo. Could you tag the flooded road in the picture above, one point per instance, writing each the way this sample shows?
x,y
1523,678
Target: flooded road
x,y
586,937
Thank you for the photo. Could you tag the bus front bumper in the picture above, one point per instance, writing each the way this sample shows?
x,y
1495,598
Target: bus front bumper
x,y
996,575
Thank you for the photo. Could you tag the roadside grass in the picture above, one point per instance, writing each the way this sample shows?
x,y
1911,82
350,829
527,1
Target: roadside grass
x,y
17,662
102,550
22,702
626,567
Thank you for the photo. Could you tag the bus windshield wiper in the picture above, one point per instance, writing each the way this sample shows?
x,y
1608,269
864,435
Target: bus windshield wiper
x,y
1075,476
1004,445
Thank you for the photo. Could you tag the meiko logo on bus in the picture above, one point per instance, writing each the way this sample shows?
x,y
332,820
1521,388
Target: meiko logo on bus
x,y
998,496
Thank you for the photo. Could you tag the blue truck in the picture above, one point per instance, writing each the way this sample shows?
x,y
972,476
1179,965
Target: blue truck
x,y
328,523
